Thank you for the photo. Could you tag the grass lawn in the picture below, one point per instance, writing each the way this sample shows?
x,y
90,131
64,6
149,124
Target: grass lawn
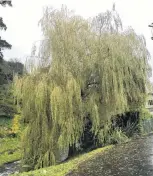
x,y
9,150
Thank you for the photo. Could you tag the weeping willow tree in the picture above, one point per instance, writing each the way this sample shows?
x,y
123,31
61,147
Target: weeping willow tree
x,y
88,68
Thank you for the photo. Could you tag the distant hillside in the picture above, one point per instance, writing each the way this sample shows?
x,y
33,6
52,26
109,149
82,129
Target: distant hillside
x,y
7,70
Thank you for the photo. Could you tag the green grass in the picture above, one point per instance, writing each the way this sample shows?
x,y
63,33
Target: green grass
x,y
7,157
9,150
5,127
65,168
5,121
8,144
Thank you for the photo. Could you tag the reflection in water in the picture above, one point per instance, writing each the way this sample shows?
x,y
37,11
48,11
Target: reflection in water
x,y
131,159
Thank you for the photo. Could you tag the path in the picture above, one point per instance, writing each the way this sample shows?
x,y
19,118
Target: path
x,y
131,159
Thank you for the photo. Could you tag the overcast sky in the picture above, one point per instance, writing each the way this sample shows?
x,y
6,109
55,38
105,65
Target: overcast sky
x,y
22,20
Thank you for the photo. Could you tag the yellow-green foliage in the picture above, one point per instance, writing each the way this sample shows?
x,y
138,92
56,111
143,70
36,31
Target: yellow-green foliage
x,y
9,150
86,69
16,124
65,168
145,114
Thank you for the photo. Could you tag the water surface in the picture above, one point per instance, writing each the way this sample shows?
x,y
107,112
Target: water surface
x,y
9,168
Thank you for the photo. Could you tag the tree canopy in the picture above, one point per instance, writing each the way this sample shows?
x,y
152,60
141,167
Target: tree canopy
x,y
87,69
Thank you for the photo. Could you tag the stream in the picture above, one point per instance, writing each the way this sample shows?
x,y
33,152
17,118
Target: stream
x,y
9,168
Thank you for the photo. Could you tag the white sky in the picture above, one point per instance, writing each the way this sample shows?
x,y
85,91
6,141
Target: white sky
x,y
22,20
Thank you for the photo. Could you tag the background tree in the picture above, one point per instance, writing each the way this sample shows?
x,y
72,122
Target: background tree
x,y
3,43
5,75
8,70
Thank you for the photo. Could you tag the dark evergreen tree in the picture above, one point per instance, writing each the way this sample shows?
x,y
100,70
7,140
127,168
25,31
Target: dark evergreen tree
x,y
7,70
3,43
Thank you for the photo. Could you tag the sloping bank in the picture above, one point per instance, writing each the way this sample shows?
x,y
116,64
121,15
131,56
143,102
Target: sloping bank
x,y
65,168
72,165
9,150
128,159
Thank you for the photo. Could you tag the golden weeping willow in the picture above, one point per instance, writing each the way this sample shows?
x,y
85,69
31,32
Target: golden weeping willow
x,y
87,67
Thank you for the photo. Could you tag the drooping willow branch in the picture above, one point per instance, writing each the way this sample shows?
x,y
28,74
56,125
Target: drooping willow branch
x,y
87,71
